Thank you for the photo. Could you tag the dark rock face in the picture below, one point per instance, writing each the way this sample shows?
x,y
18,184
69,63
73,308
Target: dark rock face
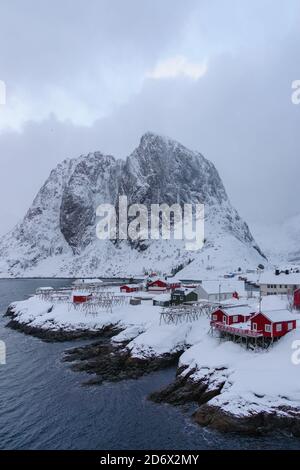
x,y
256,424
164,170
92,182
184,390
109,362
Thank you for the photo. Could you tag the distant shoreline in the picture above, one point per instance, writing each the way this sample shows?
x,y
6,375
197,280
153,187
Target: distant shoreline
x,y
125,279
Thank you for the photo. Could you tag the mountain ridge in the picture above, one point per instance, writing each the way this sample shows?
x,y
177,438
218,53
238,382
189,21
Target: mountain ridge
x,y
57,234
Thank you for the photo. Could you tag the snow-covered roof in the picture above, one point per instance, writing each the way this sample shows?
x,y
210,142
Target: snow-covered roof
x,y
284,279
131,285
241,326
239,310
173,280
279,315
215,287
162,297
145,295
186,290
80,293
158,279
233,302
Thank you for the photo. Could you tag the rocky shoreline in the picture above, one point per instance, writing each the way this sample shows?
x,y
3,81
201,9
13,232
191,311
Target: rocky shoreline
x,y
185,390
110,362
58,334
254,425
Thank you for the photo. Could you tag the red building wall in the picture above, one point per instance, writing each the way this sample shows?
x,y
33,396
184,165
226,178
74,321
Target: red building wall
x,y
229,318
284,330
157,284
261,321
217,316
297,298
79,299
240,318
128,289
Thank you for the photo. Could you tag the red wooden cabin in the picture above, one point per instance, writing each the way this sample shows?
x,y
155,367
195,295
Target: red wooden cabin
x,y
297,298
127,288
231,315
158,285
273,324
81,297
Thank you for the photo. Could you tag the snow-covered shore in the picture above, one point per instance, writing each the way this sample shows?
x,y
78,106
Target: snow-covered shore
x,y
251,384
234,386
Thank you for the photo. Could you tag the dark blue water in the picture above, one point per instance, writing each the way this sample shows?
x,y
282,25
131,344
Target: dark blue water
x,y
44,406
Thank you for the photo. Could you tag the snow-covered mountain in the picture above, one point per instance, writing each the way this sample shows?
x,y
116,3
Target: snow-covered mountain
x,y
57,235
281,242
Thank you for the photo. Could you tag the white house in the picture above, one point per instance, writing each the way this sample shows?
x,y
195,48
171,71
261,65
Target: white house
x,y
215,291
272,284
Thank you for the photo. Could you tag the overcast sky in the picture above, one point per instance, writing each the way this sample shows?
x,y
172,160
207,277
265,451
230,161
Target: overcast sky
x,y
86,75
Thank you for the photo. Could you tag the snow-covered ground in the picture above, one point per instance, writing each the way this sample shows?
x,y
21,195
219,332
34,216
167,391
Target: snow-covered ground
x,y
254,381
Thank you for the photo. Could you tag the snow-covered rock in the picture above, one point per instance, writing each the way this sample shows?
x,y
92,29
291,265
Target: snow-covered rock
x,y
57,236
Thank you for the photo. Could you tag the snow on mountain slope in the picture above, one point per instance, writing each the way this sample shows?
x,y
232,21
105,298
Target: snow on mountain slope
x,y
57,235
280,242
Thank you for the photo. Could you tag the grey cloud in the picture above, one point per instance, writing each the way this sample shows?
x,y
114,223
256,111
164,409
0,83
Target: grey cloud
x,y
239,114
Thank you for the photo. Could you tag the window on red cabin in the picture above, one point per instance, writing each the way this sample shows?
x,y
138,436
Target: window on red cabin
x,y
268,328
290,326
215,317
279,327
224,319
235,319
254,326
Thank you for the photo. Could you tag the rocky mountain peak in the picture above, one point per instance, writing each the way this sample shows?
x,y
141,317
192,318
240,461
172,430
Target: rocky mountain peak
x,y
60,225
